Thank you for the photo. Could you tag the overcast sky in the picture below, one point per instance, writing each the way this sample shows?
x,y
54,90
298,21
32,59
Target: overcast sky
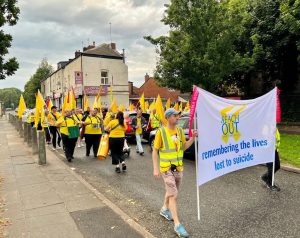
x,y
55,29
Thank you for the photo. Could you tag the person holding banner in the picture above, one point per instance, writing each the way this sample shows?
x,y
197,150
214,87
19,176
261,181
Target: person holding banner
x,y
93,131
116,129
170,144
69,133
139,124
268,176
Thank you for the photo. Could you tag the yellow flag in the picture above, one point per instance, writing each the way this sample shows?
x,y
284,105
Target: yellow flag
x,y
121,108
168,104
142,103
176,106
180,106
160,110
187,106
50,104
146,105
85,103
152,106
21,107
114,107
39,107
64,106
131,107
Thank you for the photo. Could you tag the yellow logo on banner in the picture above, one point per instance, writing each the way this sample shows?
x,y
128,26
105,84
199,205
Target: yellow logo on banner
x,y
230,120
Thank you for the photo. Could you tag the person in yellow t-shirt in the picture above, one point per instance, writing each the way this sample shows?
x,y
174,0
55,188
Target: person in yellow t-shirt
x,y
64,123
53,116
139,124
93,131
45,126
170,144
116,129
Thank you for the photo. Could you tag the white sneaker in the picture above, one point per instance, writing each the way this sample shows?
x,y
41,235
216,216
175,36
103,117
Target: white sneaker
x,y
78,145
53,148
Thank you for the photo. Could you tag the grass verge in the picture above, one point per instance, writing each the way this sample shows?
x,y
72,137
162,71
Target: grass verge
x,y
289,150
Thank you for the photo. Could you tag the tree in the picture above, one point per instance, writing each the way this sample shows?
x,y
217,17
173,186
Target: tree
x,y
34,83
200,47
10,97
9,14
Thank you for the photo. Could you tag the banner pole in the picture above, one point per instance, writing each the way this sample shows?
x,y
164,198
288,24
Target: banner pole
x,y
196,161
273,170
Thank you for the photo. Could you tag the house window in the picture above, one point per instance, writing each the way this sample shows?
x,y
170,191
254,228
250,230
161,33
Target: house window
x,y
104,77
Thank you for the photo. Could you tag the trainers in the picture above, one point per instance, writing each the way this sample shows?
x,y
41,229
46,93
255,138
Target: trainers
x,y
180,231
265,181
124,167
142,153
166,213
78,146
118,170
275,188
53,148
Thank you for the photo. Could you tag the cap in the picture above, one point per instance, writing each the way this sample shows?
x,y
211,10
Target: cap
x,y
171,111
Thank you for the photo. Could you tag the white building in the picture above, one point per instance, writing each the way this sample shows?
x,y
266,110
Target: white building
x,y
96,65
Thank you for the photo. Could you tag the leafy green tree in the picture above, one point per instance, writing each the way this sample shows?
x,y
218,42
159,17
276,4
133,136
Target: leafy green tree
x,y
34,83
10,97
9,14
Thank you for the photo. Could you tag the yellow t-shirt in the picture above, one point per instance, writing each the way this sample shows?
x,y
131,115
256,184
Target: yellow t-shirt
x,y
158,144
139,130
93,125
66,122
51,118
119,131
78,116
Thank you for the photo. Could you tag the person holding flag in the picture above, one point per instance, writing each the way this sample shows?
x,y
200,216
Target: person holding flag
x,y
45,125
169,145
69,132
139,123
53,117
79,116
93,132
154,119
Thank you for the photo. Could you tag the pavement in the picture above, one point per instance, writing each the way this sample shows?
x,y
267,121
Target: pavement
x,y
51,200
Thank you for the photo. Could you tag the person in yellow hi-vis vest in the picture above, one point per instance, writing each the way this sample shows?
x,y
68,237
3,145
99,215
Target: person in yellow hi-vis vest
x,y
78,115
154,119
93,131
267,177
169,144
30,118
69,130
45,125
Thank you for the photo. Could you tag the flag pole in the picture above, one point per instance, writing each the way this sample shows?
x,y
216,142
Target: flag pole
x,y
273,170
196,161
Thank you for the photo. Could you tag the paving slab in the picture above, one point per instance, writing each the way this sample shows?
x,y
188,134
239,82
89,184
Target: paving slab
x,y
41,200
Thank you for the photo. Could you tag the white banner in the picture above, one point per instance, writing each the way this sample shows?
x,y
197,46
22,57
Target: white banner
x,y
234,134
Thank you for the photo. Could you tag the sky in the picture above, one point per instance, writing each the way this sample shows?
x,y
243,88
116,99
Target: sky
x,y
55,29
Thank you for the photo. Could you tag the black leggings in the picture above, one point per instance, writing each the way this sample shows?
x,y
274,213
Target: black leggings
x,y
92,140
69,145
268,174
54,132
116,147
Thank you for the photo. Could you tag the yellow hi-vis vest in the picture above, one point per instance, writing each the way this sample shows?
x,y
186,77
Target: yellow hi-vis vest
x,y
277,140
168,154
154,120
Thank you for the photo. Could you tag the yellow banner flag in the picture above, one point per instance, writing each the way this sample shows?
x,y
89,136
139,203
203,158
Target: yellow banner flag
x,y
176,106
168,104
187,106
114,107
50,104
131,107
160,110
85,103
73,99
121,108
142,103
180,106
152,106
146,105
39,107
21,107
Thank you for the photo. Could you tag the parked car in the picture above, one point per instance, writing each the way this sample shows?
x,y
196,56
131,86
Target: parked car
x,y
130,132
184,123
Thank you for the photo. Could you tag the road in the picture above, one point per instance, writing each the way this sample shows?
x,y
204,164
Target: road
x,y
235,205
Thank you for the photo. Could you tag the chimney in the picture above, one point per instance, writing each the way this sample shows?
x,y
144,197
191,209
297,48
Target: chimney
x,y
113,46
123,55
94,44
147,77
77,53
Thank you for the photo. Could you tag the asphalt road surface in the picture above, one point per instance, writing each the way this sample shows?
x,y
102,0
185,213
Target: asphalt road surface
x,y
235,205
